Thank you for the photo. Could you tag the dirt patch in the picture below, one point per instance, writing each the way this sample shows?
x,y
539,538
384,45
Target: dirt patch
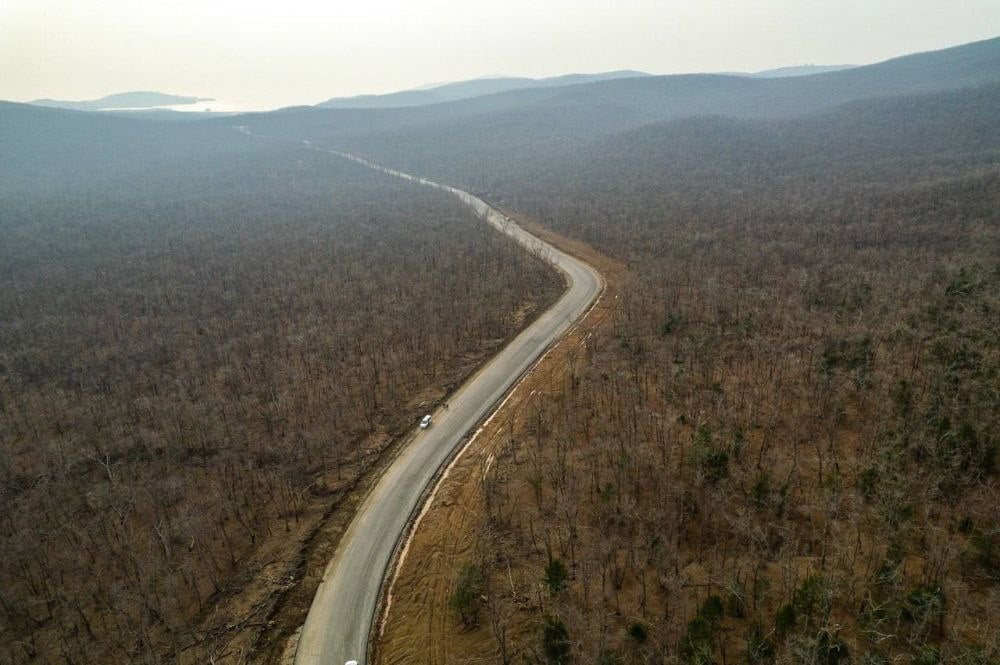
x,y
420,626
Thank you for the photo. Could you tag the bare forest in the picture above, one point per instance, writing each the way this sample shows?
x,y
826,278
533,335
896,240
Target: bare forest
x,y
782,446
774,441
200,351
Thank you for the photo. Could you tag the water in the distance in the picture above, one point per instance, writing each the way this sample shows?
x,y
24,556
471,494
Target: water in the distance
x,y
214,105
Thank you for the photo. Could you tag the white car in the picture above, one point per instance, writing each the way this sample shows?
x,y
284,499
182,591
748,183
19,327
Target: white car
x,y
425,422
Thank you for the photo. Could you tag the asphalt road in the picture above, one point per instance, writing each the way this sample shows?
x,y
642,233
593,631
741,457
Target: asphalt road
x,y
343,611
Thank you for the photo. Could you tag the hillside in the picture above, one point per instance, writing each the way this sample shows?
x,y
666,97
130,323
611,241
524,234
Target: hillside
x,y
516,126
782,445
183,402
799,70
662,97
449,92
46,147
779,443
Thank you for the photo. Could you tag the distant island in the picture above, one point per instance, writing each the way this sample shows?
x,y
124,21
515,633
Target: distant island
x,y
123,100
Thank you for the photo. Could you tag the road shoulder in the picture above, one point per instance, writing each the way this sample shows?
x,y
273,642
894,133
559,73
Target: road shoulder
x,y
419,625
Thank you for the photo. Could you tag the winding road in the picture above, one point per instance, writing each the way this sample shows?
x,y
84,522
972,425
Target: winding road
x,y
342,614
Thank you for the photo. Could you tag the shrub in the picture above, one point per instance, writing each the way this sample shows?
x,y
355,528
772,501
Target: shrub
x,y
711,609
555,640
637,631
966,525
711,462
696,645
697,642
868,482
923,604
670,325
785,619
760,494
808,597
556,576
468,591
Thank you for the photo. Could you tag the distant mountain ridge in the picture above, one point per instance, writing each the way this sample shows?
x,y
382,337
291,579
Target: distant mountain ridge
x,y
526,116
446,141
450,92
436,93
139,99
480,87
799,70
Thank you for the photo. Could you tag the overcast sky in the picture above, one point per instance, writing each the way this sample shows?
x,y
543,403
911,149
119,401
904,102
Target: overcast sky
x,y
286,52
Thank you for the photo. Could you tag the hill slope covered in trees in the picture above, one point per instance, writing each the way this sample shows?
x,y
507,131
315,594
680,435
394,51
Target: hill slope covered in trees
x,y
449,92
784,446
781,448
207,339
512,124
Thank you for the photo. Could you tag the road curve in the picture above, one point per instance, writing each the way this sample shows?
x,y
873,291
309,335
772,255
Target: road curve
x,y
342,614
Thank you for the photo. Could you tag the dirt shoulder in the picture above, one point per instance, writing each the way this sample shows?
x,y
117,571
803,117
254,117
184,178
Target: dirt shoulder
x,y
420,626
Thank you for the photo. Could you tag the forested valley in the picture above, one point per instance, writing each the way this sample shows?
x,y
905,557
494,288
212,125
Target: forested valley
x,y
783,447
205,339
780,446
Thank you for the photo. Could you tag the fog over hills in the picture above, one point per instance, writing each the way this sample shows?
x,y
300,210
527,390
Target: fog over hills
x,y
448,92
437,93
542,118
775,441
509,125
968,64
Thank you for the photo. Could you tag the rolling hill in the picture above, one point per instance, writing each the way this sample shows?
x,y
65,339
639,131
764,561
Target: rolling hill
x,y
542,115
781,447
799,70
477,135
449,92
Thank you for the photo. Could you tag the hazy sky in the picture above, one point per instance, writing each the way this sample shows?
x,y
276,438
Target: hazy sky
x,y
303,51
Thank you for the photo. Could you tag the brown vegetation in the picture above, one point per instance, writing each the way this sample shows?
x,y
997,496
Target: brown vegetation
x,y
421,625
782,446
195,363
779,446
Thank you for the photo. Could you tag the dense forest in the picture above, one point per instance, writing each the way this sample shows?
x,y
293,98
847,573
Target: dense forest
x,y
783,446
206,338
